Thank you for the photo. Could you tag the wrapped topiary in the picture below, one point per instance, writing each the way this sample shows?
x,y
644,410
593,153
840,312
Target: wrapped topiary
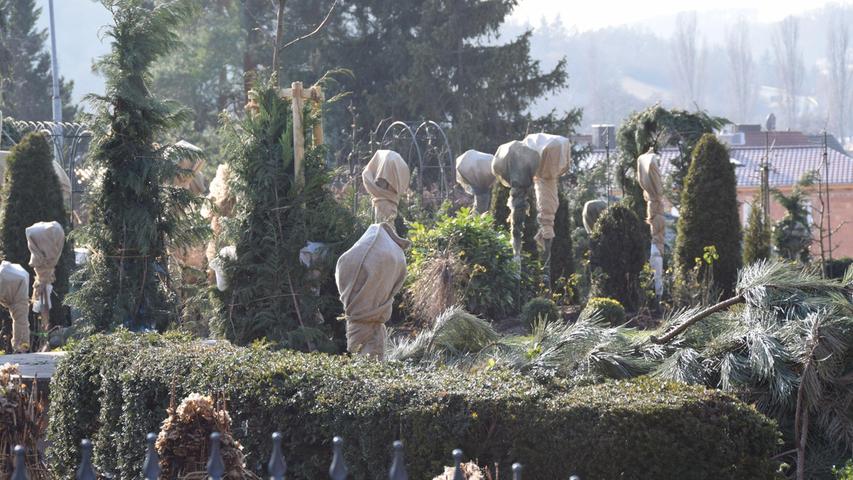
x,y
184,440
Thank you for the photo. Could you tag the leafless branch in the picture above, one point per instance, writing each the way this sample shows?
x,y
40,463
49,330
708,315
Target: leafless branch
x,y
315,31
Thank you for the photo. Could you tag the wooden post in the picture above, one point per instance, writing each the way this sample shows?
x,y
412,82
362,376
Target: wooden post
x,y
317,96
298,135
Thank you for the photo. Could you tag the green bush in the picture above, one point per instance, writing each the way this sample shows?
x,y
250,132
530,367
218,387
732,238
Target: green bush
x,y
539,309
756,238
837,267
116,388
709,216
490,278
562,251
845,472
617,252
609,309
31,193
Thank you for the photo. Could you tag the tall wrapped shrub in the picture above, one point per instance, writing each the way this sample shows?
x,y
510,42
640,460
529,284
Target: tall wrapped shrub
x,y
31,194
271,293
134,214
617,252
709,216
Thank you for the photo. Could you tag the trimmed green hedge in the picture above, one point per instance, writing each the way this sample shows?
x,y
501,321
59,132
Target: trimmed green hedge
x,y
115,388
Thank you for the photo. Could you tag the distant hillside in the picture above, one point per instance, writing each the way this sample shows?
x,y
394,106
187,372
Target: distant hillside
x,y
614,71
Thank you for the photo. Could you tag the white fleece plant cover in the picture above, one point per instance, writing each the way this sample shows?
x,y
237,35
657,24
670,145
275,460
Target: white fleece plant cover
x,y
555,158
218,266
64,183
14,293
368,276
386,178
591,211
649,178
45,241
220,204
474,174
514,166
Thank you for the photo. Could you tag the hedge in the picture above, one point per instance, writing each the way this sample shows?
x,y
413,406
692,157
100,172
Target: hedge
x,y
116,388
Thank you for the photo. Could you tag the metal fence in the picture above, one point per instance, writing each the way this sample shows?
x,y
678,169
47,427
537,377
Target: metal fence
x,y
276,468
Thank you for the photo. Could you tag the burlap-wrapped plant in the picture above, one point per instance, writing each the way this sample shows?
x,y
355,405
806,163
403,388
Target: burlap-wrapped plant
x,y
470,471
23,420
184,441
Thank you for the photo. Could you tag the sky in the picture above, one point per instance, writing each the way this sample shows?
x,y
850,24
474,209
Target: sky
x,y
604,13
79,37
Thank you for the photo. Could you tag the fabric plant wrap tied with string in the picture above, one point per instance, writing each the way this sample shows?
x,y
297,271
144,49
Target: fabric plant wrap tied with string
x,y
45,241
592,210
474,174
514,166
649,178
368,276
386,178
64,183
14,295
555,153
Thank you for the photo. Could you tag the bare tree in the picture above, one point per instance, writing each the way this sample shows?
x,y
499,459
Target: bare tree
x,y
789,62
837,53
689,58
741,70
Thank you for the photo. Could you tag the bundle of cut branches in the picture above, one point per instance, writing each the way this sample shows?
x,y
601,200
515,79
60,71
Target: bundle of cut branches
x,y
184,441
470,471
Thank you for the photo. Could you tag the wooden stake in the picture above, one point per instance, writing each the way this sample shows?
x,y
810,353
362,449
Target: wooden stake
x,y
298,135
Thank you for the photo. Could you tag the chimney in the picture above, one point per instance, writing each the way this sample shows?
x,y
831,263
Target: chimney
x,y
603,136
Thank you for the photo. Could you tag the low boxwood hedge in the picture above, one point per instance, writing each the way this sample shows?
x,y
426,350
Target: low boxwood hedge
x,y
116,388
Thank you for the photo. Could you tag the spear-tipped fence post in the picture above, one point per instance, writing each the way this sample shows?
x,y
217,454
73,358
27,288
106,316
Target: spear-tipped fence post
x,y
398,466
457,460
516,471
86,470
338,470
276,467
151,467
20,472
215,465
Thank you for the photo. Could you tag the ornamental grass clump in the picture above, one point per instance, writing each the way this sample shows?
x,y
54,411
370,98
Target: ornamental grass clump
x,y
485,278
23,421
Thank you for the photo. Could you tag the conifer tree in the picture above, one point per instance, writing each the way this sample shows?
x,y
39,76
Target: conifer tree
x,y
617,253
756,238
271,294
708,215
134,214
31,194
25,76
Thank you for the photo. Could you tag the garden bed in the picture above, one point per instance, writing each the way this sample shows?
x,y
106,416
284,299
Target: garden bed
x,y
116,388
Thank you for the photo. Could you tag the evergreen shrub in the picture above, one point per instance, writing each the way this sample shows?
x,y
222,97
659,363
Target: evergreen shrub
x,y
114,389
539,309
489,279
609,309
617,252
31,193
709,216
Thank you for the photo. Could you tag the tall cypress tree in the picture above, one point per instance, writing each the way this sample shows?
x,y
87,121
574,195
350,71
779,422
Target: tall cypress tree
x,y
709,216
25,75
756,238
31,194
134,214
